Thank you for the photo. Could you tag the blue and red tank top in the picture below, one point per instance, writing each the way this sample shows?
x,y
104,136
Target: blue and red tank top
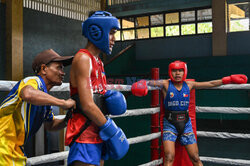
x,y
98,85
177,100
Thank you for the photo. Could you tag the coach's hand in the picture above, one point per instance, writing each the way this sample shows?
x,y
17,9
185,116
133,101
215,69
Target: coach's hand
x,y
68,104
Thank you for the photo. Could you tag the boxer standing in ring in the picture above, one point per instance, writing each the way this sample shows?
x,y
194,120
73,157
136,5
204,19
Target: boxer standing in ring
x,y
176,93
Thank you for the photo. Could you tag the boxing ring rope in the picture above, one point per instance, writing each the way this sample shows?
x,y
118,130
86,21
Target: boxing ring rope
x,y
8,85
228,110
137,112
223,135
207,159
226,161
155,162
133,112
64,155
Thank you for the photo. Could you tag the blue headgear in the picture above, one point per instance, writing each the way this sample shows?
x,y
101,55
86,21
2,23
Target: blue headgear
x,y
97,27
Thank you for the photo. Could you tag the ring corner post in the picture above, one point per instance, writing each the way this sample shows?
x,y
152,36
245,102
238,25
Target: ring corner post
x,y
155,117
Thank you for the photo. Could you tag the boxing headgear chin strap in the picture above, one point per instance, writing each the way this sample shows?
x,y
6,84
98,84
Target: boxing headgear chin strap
x,y
177,65
97,27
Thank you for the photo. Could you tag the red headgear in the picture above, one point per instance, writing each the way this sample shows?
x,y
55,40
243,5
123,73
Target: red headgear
x,y
177,65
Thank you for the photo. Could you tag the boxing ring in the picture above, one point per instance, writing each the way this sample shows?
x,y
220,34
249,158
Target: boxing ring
x,y
7,85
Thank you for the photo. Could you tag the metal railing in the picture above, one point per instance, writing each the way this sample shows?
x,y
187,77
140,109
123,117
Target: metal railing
x,y
120,2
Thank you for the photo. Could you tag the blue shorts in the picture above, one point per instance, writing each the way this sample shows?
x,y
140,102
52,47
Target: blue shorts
x,y
86,153
170,133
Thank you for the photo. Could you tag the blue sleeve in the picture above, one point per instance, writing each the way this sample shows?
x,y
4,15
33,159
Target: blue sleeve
x,y
49,114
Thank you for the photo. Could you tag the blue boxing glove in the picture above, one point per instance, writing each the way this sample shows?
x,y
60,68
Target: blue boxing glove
x,y
105,155
115,102
115,140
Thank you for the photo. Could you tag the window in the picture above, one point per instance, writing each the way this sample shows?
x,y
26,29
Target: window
x,y
171,18
142,21
204,14
128,31
128,34
157,32
128,23
118,36
188,16
205,27
166,24
156,19
172,30
142,33
187,29
238,14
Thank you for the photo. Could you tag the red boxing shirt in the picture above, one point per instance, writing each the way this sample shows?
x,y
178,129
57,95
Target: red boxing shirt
x,y
98,85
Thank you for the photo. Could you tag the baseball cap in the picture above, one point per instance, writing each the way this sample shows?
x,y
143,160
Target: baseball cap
x,y
48,56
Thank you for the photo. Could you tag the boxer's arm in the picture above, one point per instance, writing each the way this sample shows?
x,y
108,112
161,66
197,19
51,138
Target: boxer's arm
x,y
37,97
232,79
204,85
81,68
157,83
163,84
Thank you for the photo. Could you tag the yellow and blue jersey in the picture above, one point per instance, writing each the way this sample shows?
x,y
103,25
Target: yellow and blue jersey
x,y
20,120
